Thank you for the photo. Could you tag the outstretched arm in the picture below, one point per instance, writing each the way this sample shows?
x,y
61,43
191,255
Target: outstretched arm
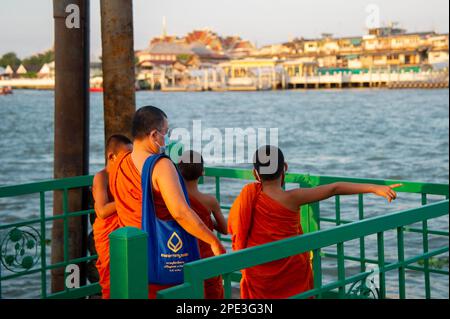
x,y
102,206
311,195
221,224
169,185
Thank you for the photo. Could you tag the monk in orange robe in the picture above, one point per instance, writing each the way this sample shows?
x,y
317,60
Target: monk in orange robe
x,y
191,167
105,209
149,129
264,213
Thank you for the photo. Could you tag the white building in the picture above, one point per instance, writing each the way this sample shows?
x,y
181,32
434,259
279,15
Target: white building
x,y
438,59
47,71
9,71
21,70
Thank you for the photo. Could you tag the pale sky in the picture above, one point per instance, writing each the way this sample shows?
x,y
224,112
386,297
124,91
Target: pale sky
x,y
26,26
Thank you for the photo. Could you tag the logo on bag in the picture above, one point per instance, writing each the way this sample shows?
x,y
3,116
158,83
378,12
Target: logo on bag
x,y
175,243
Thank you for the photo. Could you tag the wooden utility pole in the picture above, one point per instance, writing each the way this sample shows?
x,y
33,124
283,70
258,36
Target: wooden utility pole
x,y
71,154
118,62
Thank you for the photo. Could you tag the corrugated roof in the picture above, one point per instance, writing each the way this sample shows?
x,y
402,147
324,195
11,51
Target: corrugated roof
x,y
169,48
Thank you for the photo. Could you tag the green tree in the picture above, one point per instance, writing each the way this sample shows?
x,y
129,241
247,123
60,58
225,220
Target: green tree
x,y
11,59
38,60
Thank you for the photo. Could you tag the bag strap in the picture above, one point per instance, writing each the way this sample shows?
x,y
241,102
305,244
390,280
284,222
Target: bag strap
x,y
147,187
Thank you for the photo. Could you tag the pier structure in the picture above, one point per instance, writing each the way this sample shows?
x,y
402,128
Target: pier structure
x,y
267,74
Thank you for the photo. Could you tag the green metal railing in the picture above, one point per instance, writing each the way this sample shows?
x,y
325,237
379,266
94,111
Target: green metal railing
x,y
195,273
229,265
16,238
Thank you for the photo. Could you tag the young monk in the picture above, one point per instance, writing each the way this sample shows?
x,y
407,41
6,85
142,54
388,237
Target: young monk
x,y
105,209
264,213
149,129
191,167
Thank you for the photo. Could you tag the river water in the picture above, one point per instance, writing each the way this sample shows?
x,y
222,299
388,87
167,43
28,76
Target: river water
x,y
385,134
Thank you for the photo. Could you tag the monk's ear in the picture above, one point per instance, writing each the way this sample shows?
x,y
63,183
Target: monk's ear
x,y
153,134
111,157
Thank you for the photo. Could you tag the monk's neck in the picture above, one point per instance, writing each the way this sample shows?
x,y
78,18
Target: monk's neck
x,y
272,187
107,168
192,187
141,151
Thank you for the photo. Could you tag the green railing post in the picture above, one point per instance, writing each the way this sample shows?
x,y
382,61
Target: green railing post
x,y
129,264
43,246
341,269
381,264
338,209
425,250
317,270
227,286
309,217
401,259
66,233
362,244
217,181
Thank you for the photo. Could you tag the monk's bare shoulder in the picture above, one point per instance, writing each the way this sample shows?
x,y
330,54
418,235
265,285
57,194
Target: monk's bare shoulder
x,y
293,198
209,201
163,168
164,165
101,178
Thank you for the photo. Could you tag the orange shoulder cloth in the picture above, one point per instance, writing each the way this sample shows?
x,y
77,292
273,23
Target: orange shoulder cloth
x,y
241,215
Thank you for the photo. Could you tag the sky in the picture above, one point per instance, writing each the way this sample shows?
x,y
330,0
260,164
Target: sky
x,y
26,26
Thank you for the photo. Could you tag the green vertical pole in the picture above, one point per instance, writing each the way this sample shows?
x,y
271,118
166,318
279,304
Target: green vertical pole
x,y
217,179
362,244
425,250
227,285
43,256
338,210
304,218
315,216
66,233
197,287
401,258
380,243
129,264
341,269
310,217
317,270
218,188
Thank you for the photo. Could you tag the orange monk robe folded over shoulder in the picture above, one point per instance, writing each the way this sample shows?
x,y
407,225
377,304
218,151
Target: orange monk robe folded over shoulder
x,y
213,286
256,219
125,184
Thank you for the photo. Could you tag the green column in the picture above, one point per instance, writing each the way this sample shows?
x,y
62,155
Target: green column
x,y
129,263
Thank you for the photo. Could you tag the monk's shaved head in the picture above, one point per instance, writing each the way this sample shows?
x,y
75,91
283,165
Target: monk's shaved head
x,y
147,119
191,165
114,143
268,162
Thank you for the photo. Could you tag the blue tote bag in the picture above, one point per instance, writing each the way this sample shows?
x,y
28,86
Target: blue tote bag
x,y
169,245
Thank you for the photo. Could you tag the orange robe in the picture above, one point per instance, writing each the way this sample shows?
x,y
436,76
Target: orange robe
x,y
125,184
256,219
102,228
213,286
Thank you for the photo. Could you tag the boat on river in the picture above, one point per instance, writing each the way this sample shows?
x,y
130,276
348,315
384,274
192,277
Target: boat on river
x,y
5,90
